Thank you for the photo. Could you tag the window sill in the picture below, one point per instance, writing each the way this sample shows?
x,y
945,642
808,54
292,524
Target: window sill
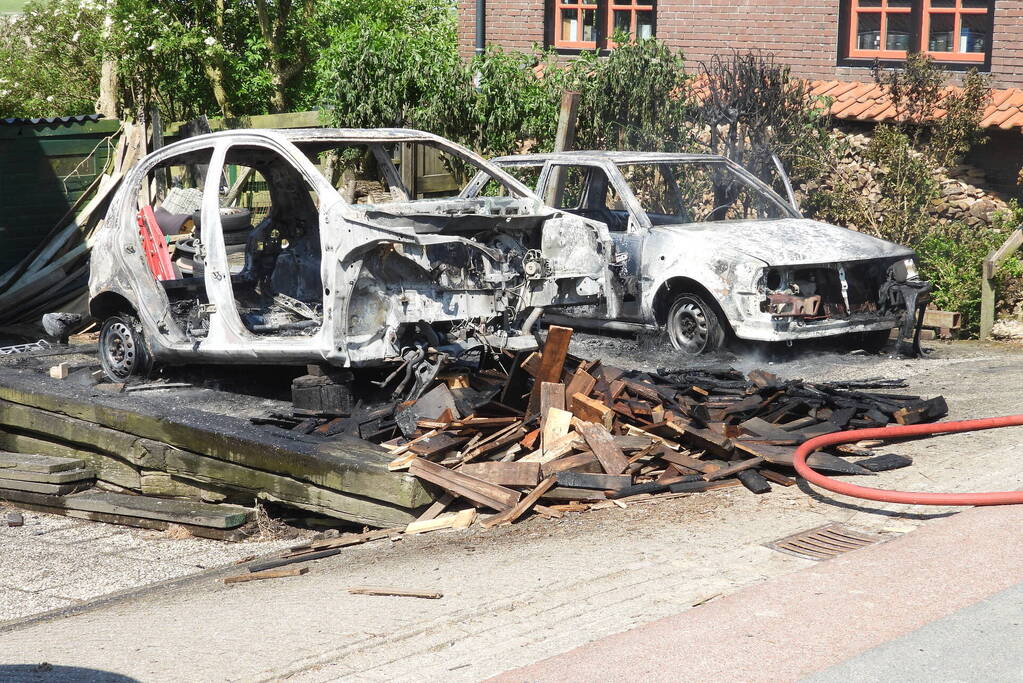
x,y
867,63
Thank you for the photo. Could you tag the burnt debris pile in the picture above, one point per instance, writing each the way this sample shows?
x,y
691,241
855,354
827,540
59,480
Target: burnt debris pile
x,y
549,433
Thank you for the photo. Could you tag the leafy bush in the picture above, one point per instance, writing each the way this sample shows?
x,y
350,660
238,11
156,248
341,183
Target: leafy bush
x,y
952,258
50,58
638,98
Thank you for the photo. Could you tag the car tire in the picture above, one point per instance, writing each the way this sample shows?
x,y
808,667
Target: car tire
x,y
693,326
873,342
232,219
123,351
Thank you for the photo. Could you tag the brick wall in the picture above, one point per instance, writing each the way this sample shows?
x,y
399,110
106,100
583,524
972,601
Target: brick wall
x,y
513,24
1007,47
803,35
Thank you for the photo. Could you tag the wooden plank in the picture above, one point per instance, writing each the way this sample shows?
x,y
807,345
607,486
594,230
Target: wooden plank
x,y
555,349
343,464
31,462
582,382
40,487
559,448
777,477
65,477
582,480
951,320
267,574
436,507
687,461
579,462
604,448
395,592
523,506
455,520
278,487
532,363
504,473
706,440
53,505
552,395
188,512
734,469
591,410
479,491
556,425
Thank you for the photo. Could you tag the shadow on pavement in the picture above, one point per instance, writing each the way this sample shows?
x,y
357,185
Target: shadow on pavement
x,y
49,673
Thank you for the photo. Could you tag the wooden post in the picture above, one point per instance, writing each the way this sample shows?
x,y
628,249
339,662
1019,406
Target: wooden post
x,y
161,181
987,290
563,141
408,169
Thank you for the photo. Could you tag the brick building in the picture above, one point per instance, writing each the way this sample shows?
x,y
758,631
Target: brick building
x,y
821,40
831,42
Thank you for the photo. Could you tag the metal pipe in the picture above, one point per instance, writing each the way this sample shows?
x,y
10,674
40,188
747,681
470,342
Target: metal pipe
x,y
481,26
531,319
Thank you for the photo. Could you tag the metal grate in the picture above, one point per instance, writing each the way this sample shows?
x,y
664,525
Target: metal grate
x,y
824,542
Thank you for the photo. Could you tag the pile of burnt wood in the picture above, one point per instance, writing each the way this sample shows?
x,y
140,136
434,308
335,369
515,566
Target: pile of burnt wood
x,y
550,433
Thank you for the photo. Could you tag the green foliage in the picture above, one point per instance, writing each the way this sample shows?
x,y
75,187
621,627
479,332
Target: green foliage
x,y
907,184
373,75
952,258
636,98
50,58
917,93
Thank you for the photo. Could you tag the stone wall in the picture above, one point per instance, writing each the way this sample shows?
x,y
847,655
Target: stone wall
x,y
960,199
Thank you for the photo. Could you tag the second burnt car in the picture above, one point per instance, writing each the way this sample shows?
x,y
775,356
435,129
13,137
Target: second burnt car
x,y
333,262
704,250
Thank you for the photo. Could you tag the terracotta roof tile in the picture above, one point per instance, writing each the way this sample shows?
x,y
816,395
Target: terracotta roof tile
x,y
999,96
1015,122
870,102
856,101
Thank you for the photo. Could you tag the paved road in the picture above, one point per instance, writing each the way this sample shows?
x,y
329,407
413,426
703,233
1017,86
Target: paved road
x,y
940,604
983,642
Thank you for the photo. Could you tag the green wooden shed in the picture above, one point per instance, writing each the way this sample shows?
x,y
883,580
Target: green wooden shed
x,y
45,166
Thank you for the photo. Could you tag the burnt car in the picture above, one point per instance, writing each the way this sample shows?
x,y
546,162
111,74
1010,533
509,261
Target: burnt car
x,y
705,251
307,247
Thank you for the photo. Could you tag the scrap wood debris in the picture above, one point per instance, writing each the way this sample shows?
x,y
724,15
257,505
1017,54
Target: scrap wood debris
x,y
547,433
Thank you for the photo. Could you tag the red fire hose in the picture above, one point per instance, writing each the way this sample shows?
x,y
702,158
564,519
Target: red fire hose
x,y
901,432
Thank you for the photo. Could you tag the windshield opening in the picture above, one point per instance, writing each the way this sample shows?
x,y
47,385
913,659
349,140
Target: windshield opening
x,y
698,192
383,172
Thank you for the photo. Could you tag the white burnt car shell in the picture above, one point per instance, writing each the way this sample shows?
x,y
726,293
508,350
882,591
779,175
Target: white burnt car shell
x,y
704,250
323,277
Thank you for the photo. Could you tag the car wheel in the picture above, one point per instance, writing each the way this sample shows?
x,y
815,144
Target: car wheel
x,y
693,326
122,348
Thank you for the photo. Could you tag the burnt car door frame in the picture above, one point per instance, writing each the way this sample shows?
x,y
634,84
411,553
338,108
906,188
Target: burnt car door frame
x,y
228,334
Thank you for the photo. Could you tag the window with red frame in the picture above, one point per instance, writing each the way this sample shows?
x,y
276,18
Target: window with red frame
x,y
947,30
588,25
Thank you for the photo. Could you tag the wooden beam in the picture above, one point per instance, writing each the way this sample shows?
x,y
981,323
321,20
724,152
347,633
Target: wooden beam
x,y
479,491
552,362
604,448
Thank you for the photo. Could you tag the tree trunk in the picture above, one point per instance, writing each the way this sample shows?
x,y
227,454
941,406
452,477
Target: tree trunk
x,y
108,85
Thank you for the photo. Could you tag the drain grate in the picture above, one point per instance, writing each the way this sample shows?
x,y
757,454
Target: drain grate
x,y
824,542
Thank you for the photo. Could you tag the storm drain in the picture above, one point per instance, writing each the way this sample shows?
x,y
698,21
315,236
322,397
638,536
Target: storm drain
x,y
824,542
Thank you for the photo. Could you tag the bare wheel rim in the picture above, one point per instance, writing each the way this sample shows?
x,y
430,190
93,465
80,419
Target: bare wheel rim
x,y
688,327
120,349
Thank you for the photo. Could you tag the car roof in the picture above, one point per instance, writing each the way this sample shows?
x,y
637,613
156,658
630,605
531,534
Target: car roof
x,y
298,135
615,157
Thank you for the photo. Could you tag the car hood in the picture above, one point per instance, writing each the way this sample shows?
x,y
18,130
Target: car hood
x,y
788,241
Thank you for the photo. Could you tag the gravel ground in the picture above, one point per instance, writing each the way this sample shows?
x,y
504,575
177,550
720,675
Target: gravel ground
x,y
54,561
598,572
